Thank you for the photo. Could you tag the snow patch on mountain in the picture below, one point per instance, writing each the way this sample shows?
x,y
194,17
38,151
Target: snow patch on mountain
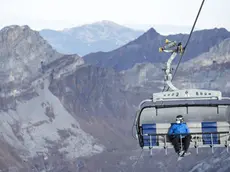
x,y
99,36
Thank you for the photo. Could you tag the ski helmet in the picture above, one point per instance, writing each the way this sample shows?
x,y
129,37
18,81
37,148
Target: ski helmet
x,y
179,119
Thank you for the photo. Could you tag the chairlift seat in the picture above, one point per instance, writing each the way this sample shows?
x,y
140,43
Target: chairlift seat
x,y
156,135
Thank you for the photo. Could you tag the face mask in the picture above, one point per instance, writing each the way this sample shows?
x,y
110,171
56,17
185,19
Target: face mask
x,y
178,122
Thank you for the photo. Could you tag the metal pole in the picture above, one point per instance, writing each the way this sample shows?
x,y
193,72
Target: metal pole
x,y
196,144
212,142
151,146
165,146
226,142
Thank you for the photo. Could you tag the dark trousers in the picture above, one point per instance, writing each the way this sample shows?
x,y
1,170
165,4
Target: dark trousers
x,y
176,141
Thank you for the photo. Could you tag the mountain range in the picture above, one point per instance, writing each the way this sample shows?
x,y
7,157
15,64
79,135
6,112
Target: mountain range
x,y
146,48
163,29
99,36
69,113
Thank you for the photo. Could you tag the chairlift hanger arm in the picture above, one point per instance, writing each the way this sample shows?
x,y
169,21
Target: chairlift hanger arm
x,y
190,34
173,48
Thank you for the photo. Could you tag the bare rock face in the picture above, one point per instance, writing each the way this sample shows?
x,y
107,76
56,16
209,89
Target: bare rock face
x,y
34,123
25,56
22,53
97,98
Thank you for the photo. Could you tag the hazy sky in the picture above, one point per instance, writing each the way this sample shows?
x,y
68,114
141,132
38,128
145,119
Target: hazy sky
x,y
59,14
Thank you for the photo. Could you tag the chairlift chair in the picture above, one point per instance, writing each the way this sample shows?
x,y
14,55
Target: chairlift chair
x,y
206,113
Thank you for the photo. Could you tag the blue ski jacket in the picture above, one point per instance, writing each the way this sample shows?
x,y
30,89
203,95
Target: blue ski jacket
x,y
178,129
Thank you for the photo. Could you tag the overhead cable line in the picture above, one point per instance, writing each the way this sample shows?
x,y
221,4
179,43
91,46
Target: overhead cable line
x,y
194,24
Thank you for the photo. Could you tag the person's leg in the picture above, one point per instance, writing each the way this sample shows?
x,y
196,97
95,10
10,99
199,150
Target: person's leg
x,y
176,143
187,140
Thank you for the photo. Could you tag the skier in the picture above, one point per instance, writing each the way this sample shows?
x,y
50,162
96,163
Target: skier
x,y
174,135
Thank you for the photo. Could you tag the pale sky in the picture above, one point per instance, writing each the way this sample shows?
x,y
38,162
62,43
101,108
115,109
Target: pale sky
x,y
60,14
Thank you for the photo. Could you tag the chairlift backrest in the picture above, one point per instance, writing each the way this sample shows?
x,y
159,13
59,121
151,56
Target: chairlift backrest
x,y
193,113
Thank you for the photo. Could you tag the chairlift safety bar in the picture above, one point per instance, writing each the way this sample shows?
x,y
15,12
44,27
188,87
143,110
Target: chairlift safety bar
x,y
163,134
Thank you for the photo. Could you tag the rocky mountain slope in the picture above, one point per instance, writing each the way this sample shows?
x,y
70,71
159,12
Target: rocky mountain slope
x,y
146,48
106,101
33,120
218,54
71,116
209,70
198,73
50,112
21,53
98,36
